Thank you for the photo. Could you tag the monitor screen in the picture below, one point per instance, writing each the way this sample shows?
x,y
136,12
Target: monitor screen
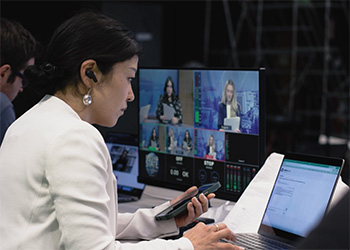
x,y
123,149
198,126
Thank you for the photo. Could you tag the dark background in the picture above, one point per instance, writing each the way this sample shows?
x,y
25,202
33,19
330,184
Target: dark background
x,y
307,96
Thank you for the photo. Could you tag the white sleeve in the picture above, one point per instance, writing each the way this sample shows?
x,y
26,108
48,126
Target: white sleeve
x,y
142,224
77,176
77,173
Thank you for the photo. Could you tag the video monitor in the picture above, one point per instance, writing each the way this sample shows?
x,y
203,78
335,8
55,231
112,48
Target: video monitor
x,y
198,126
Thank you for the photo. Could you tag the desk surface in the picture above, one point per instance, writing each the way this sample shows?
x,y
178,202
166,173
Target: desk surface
x,y
243,216
153,196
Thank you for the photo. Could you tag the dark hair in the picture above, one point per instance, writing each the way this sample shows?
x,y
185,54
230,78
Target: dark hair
x,y
17,46
189,136
154,137
173,94
88,35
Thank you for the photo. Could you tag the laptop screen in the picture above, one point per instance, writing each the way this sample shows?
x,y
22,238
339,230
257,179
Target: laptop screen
x,y
300,196
123,149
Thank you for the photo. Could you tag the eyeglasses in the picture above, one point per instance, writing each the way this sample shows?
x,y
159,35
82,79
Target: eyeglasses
x,y
19,74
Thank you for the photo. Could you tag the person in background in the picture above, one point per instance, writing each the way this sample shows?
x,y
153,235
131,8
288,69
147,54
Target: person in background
x,y
169,98
333,231
18,50
61,192
228,107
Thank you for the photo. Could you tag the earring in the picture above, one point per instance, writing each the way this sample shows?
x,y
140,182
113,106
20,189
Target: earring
x,y
87,99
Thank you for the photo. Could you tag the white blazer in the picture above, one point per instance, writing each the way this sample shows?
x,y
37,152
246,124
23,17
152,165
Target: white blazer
x,y
58,190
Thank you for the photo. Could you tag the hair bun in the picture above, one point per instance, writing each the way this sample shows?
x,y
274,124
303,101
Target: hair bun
x,y
43,77
49,69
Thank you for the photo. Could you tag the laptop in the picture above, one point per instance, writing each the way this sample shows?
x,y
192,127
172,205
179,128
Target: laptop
x,y
123,149
299,199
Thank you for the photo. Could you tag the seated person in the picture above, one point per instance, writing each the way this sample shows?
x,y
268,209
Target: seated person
x,y
333,230
61,192
18,50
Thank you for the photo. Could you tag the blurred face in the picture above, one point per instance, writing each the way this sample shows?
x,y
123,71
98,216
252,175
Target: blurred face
x,y
169,88
110,97
211,140
11,90
229,93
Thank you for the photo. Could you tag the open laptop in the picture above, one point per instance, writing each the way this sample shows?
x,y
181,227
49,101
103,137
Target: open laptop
x,y
299,199
123,149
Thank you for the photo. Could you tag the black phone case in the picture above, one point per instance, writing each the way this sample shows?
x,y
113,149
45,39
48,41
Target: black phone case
x,y
181,205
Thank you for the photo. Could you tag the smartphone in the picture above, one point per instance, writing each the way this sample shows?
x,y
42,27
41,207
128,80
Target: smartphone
x,y
181,205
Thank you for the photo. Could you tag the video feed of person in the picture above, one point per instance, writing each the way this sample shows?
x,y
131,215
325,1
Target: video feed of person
x,y
200,125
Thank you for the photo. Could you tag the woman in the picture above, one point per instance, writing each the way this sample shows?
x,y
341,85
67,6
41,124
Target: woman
x,y
187,142
153,140
60,193
171,143
228,107
211,148
169,98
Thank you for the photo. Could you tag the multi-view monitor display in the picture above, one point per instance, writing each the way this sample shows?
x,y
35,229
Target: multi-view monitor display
x,y
199,126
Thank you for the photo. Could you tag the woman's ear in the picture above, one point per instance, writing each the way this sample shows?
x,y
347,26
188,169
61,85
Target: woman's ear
x,y
89,73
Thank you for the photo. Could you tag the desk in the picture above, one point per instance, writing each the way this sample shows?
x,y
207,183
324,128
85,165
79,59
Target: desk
x,y
242,216
153,196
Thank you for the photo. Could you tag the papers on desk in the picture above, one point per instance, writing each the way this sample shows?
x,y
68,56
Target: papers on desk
x,y
248,210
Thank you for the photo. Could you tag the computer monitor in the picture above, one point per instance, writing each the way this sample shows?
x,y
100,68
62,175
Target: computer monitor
x,y
211,129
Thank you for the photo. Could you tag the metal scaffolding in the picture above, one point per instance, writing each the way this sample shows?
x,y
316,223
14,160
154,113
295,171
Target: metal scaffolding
x,y
304,69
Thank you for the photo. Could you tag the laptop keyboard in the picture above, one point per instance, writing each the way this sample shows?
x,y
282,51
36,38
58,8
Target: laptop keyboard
x,y
126,198
256,241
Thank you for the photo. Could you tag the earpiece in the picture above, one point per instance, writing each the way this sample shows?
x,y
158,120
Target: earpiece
x,y
91,75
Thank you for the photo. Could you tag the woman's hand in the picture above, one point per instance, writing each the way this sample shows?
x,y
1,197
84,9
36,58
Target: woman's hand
x,y
208,236
195,208
174,120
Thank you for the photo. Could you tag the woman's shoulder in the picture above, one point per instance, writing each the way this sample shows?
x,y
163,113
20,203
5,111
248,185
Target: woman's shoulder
x,y
222,105
57,119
